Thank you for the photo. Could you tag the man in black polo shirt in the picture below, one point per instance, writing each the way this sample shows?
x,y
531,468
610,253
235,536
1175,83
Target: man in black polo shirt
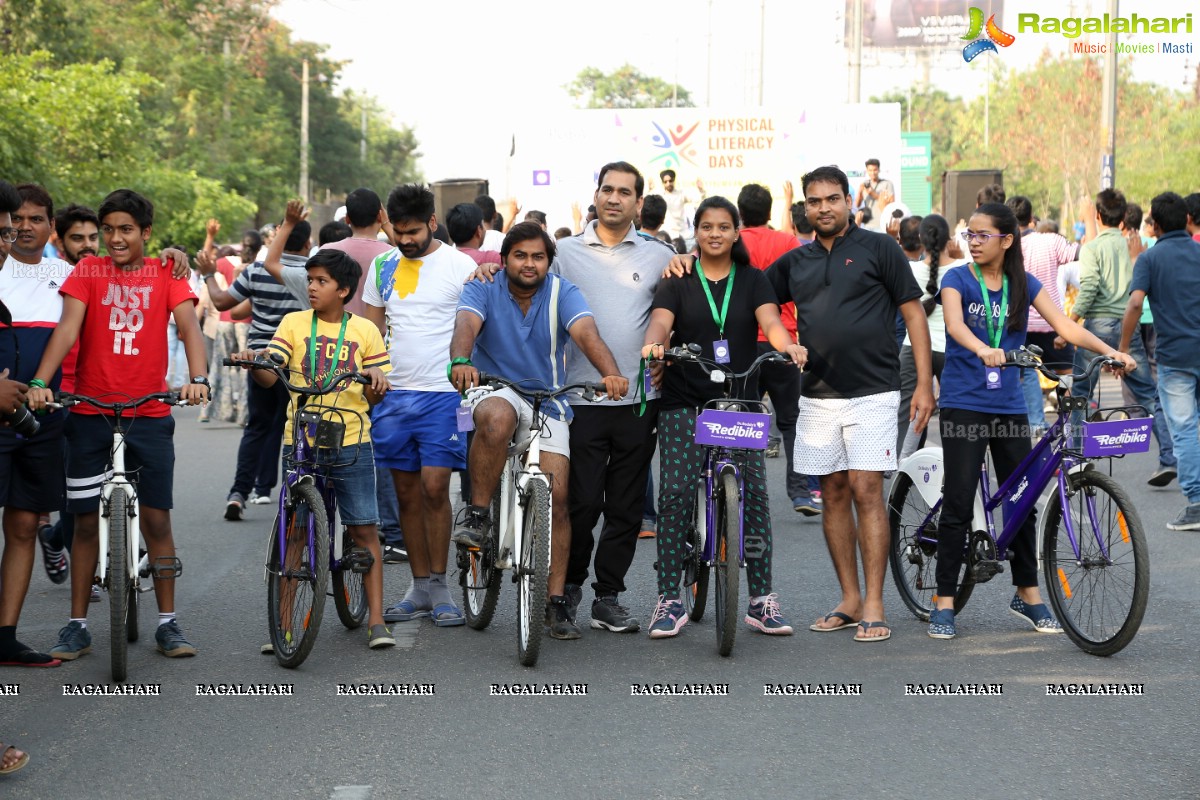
x,y
847,285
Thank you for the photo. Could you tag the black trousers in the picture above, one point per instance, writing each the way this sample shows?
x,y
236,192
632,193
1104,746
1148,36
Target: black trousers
x,y
782,383
966,438
258,453
611,450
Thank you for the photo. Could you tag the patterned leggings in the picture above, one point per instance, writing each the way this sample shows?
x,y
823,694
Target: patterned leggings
x,y
680,463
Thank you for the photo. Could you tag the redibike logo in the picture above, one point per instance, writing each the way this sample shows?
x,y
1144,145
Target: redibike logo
x,y
1128,437
738,430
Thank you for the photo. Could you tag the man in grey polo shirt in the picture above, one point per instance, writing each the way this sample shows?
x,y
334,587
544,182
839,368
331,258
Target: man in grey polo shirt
x,y
611,445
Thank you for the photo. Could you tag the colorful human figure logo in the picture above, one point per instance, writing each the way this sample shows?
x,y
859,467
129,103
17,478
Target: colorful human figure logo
x,y
676,143
995,36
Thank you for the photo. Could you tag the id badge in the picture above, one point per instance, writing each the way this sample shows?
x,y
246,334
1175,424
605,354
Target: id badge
x,y
721,351
993,377
463,418
647,384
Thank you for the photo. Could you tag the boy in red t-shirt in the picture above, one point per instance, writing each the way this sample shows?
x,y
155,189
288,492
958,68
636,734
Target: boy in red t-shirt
x,y
118,309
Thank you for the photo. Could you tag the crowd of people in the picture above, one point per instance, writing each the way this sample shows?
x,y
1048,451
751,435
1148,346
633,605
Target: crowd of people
x,y
869,318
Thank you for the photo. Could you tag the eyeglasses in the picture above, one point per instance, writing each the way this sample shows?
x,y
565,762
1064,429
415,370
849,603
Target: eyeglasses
x,y
8,234
972,236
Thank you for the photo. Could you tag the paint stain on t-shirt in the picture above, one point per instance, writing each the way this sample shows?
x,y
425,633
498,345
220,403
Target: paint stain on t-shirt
x,y
408,272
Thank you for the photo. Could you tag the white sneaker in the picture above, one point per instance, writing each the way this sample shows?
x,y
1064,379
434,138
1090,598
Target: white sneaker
x,y
258,499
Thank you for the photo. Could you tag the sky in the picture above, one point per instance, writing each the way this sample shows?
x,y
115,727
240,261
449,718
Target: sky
x,y
465,73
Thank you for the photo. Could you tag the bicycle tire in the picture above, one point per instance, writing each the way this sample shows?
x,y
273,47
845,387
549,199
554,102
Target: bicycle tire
x,y
480,580
913,561
695,568
1099,602
298,602
349,593
131,615
534,572
728,570
119,582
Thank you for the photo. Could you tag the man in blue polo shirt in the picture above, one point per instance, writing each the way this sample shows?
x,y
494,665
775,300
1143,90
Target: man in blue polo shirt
x,y
1169,274
517,327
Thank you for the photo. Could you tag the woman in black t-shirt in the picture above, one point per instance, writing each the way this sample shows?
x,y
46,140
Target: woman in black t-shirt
x,y
719,306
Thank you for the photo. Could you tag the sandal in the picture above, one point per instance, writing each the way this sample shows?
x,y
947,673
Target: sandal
x,y
848,623
28,657
18,764
867,626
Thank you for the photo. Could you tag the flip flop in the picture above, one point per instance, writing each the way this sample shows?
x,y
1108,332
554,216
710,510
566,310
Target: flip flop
x,y
866,626
21,762
847,623
24,659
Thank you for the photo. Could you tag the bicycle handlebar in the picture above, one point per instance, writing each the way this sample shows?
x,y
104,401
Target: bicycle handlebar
x,y
1024,358
66,400
280,372
691,352
590,390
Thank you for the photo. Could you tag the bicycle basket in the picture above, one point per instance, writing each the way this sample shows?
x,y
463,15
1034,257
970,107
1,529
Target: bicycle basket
x,y
1112,432
741,429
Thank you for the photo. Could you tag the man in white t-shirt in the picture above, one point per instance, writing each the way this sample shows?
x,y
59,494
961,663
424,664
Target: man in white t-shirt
x,y
411,292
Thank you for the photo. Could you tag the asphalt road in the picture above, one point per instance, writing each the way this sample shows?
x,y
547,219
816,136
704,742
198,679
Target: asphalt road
x,y
462,741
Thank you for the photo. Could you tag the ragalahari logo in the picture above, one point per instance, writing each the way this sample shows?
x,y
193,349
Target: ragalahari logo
x,y
995,36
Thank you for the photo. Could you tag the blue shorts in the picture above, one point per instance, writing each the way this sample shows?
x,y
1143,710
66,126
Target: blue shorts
x,y
352,476
412,429
149,459
31,470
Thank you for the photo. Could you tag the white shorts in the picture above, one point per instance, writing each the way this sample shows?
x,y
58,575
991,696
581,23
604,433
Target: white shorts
x,y
837,434
556,433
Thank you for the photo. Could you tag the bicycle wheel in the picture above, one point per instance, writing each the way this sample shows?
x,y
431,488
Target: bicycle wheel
x,y
913,550
695,569
728,569
349,594
297,578
131,614
480,580
1098,599
534,572
119,581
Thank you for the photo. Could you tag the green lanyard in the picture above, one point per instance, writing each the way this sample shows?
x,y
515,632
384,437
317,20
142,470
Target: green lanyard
x,y
312,352
719,320
993,334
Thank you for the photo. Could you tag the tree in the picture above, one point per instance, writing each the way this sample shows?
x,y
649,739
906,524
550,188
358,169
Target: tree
x,y
625,87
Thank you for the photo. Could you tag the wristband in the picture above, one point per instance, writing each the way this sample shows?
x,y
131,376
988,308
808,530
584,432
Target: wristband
x,y
37,383
455,362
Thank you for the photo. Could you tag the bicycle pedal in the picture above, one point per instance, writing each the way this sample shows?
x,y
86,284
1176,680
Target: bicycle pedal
x,y
359,560
166,568
984,571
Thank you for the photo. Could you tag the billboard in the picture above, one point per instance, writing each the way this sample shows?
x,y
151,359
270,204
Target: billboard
x,y
917,23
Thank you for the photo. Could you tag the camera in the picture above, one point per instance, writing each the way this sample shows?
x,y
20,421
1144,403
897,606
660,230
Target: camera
x,y
21,421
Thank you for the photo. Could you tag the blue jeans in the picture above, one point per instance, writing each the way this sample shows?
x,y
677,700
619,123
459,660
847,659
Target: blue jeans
x,y
389,508
1035,406
1179,391
1139,382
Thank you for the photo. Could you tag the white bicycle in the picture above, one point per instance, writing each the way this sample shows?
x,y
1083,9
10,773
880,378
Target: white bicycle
x,y
121,534
519,536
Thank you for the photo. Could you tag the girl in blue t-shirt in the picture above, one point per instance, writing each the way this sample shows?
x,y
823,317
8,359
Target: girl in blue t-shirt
x,y
982,406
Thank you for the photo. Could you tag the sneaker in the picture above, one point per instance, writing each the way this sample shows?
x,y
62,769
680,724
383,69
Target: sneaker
x,y
394,555
235,506
668,618
257,499
54,559
562,626
765,617
171,641
380,636
772,450
574,595
816,498
1188,519
649,529
805,506
473,529
95,594
1163,476
74,641
609,615
1038,616
941,624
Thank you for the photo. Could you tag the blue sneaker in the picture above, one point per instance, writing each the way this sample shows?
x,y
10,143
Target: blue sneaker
x,y
404,611
1038,616
766,617
941,624
171,641
668,618
74,641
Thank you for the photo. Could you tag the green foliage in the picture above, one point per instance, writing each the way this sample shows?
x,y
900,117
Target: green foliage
x,y
196,102
625,87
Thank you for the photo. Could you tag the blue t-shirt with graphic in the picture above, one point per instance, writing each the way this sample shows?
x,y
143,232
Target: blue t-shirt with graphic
x,y
964,379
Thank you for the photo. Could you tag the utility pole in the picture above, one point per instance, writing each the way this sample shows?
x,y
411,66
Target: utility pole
x,y
708,77
762,46
1108,109
856,48
362,142
304,131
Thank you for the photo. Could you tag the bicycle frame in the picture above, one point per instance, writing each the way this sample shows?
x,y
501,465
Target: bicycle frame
x,y
514,486
717,462
134,530
300,472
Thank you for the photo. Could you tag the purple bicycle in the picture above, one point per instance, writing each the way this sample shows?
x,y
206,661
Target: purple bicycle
x,y
1093,551
301,554
729,429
